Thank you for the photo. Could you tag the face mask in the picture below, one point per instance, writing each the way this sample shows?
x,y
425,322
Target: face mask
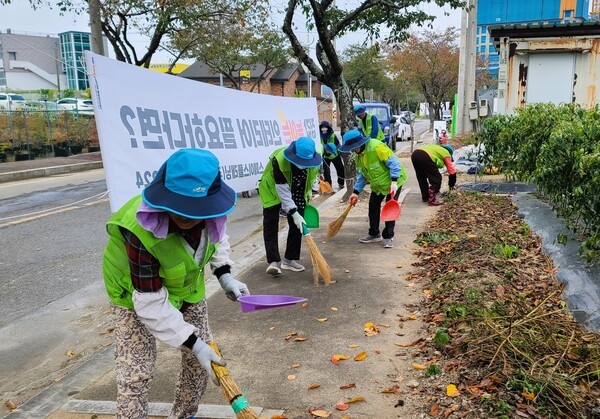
x,y
324,130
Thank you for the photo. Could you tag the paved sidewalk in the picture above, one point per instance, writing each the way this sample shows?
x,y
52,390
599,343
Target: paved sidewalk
x,y
27,169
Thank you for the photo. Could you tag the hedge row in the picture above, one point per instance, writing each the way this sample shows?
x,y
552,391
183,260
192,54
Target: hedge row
x,y
557,147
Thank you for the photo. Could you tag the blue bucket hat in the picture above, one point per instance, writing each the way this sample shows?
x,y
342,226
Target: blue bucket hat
x,y
359,109
189,184
303,153
352,139
450,150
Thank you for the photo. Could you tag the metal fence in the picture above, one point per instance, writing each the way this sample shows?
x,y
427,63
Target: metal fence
x,y
30,133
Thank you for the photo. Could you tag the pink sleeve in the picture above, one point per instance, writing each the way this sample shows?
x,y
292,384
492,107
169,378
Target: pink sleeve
x,y
449,165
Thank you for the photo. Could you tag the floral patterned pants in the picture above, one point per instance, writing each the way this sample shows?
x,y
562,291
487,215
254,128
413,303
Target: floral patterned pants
x,y
135,357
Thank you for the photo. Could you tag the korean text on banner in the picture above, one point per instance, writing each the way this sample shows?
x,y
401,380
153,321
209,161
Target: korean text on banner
x,y
144,116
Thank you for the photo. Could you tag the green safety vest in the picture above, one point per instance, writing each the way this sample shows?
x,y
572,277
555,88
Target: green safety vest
x,y
266,185
366,125
331,140
375,170
437,154
182,276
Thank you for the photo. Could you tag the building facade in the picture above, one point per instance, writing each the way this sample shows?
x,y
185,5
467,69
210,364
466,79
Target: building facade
x,y
503,12
30,62
555,63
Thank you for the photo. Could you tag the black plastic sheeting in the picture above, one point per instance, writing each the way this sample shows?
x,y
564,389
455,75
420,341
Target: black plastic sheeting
x,y
581,280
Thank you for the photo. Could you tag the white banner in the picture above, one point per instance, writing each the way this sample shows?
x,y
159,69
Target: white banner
x,y
144,116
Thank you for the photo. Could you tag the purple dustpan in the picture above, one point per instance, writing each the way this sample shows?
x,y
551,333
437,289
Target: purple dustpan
x,y
261,302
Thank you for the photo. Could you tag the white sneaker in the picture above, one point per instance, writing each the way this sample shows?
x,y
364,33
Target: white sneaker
x,y
274,269
370,239
291,265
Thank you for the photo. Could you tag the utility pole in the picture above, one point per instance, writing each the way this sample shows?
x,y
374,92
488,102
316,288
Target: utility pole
x,y
95,27
466,67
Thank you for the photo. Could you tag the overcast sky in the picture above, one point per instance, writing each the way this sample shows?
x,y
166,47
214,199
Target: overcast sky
x,y
21,18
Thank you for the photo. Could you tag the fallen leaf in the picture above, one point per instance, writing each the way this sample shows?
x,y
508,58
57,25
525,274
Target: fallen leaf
x,y
528,395
353,345
412,317
434,410
295,365
278,417
361,356
405,345
452,391
10,405
450,410
300,339
313,386
347,386
418,366
291,377
304,305
377,351
320,413
71,353
383,325
340,405
356,399
391,390
334,308
347,271
272,327
323,319
335,359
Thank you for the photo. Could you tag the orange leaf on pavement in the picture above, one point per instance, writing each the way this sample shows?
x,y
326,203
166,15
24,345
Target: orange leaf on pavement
x,y
347,386
341,406
335,359
313,386
320,413
360,356
355,399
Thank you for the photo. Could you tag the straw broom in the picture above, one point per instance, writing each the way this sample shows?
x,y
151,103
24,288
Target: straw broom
x,y
231,391
320,266
334,227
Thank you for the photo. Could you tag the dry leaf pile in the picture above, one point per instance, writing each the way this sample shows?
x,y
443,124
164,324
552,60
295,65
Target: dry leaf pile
x,y
504,343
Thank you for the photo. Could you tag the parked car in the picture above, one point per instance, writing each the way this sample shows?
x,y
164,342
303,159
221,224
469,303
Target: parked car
x,y
11,101
84,106
402,129
383,112
410,116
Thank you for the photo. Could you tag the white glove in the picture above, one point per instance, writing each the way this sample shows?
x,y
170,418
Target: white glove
x,y
206,355
298,220
353,199
394,189
232,287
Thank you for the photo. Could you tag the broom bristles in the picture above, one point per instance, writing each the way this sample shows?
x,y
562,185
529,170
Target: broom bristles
x,y
334,227
229,388
320,266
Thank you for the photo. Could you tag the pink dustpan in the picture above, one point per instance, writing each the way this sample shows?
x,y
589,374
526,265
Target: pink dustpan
x,y
261,302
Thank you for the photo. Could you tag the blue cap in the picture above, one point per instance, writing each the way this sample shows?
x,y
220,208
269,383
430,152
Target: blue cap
x,y
352,139
359,109
450,150
189,184
303,153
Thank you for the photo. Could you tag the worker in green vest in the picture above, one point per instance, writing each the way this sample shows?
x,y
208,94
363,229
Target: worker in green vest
x,y
427,161
160,245
368,124
331,154
377,164
286,183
